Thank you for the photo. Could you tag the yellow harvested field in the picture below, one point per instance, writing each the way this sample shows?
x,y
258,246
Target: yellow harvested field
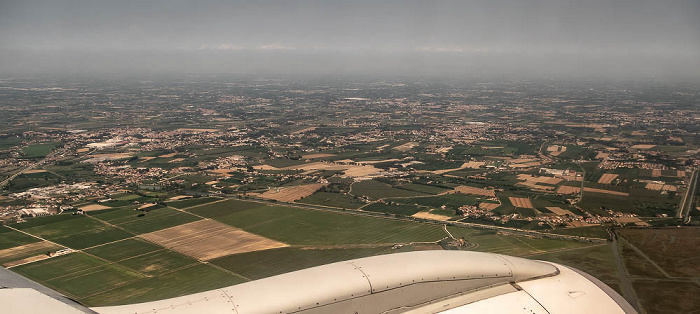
x,y
488,206
352,171
680,174
91,207
208,239
634,220
176,160
179,197
27,249
565,189
405,147
661,187
541,179
320,155
474,191
168,155
427,215
82,150
142,159
471,165
291,193
656,173
522,202
34,171
560,211
556,150
607,178
642,146
602,156
27,260
594,190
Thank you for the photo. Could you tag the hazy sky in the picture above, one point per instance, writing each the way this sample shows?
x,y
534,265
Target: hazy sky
x,y
565,38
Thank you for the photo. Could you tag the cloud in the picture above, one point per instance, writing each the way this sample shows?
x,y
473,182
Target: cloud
x,y
274,47
453,49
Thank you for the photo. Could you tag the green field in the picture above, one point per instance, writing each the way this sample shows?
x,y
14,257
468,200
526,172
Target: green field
x,y
143,222
309,227
332,199
11,238
430,189
78,274
489,241
592,232
399,209
39,150
450,201
74,231
377,190
261,264
191,202
193,279
596,260
223,208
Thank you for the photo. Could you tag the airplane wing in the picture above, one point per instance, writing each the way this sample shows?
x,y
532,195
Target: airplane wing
x,y
413,282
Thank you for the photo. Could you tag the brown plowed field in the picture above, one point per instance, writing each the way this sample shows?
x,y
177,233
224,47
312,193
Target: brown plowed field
x,y
521,202
292,193
474,191
209,239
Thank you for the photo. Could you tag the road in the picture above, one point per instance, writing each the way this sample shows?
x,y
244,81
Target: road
x,y
30,167
687,203
625,283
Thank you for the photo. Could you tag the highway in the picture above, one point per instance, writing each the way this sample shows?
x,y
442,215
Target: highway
x,y
687,203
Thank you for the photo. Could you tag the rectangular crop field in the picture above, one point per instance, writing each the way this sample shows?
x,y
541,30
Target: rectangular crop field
x,y
291,193
11,238
333,200
223,208
74,231
375,189
607,178
192,202
208,239
521,202
14,255
143,222
308,227
474,191
261,264
78,274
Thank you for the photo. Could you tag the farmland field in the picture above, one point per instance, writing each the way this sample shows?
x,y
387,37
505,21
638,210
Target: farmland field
x,y
450,201
11,238
143,222
261,264
208,239
375,189
24,251
191,202
39,150
223,208
301,226
76,232
332,199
